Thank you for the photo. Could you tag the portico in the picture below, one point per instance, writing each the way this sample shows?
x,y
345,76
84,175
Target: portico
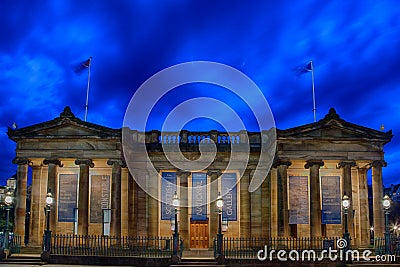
x,y
95,193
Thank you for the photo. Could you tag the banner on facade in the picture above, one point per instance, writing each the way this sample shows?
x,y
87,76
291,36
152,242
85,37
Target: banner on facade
x,y
99,197
331,200
229,195
67,200
168,189
298,200
199,196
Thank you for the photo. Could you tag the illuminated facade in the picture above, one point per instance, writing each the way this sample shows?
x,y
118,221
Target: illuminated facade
x,y
95,193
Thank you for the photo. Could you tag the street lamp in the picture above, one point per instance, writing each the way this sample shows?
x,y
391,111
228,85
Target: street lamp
x,y
346,205
8,201
47,234
220,205
386,206
176,203
371,235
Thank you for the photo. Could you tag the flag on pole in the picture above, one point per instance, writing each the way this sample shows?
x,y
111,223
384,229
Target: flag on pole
x,y
78,70
83,65
304,69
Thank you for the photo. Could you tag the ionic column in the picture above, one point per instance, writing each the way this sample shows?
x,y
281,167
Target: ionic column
x,y
35,232
20,197
363,208
346,166
132,229
315,197
283,211
377,194
184,214
52,187
115,224
214,174
245,205
83,204
266,207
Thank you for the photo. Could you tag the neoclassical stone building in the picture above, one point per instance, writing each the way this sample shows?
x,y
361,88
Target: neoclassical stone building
x,y
315,165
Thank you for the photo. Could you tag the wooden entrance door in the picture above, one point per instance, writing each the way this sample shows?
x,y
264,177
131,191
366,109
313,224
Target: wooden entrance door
x,y
198,234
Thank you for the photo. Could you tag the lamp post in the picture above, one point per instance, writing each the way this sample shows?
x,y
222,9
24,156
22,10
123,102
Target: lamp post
x,y
8,201
346,205
47,234
371,235
176,203
220,205
386,206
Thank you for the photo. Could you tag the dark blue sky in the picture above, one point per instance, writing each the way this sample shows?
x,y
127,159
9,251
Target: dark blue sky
x,y
354,46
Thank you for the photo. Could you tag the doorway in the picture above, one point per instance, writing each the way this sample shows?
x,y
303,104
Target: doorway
x,y
199,234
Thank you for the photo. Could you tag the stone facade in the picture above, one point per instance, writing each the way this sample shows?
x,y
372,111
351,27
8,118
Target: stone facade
x,y
84,167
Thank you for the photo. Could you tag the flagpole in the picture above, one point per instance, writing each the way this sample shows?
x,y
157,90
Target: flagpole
x,y
313,91
87,89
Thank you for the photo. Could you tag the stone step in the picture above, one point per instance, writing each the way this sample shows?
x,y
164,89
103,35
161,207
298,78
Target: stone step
x,y
31,250
24,260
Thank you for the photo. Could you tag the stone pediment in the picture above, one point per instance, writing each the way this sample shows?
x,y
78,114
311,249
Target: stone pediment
x,y
332,127
64,126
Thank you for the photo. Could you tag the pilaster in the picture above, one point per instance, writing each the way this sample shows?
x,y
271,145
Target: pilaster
x,y
245,205
184,212
132,227
266,207
214,174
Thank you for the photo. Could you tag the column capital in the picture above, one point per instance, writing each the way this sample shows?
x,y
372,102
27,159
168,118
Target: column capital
x,y
312,162
182,173
88,162
279,162
214,173
378,163
346,163
21,161
53,161
120,162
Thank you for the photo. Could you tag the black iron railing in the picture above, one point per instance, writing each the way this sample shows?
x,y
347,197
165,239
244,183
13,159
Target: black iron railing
x,y
249,247
394,247
14,242
99,245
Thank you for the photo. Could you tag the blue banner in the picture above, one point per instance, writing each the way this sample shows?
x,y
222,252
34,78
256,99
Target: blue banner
x,y
229,195
99,197
298,200
67,197
168,189
199,196
331,201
